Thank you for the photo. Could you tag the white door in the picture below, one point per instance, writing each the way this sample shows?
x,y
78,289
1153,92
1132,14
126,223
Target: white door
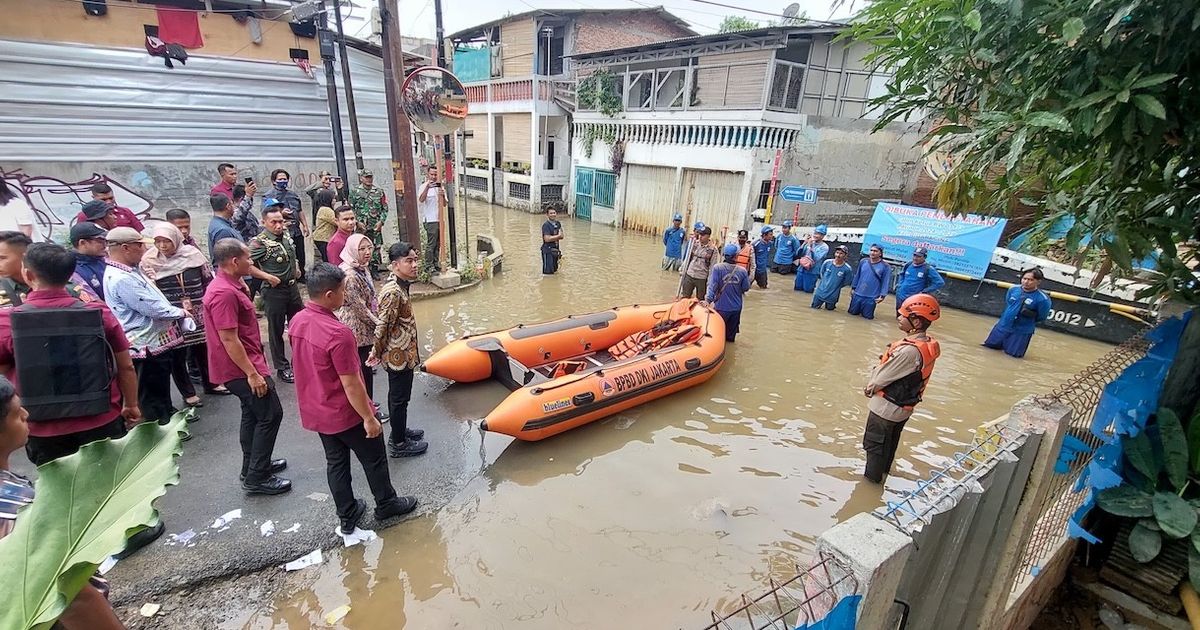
x,y
649,198
714,197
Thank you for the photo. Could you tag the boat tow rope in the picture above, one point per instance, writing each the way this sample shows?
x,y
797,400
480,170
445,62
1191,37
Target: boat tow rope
x,y
1132,312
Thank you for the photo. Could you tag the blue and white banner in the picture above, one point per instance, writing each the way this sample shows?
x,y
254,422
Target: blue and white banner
x,y
960,244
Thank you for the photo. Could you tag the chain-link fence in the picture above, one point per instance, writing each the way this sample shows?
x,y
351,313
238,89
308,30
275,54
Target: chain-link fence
x,y
1081,393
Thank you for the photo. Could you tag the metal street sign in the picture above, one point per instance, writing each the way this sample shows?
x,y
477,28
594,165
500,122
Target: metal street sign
x,y
799,193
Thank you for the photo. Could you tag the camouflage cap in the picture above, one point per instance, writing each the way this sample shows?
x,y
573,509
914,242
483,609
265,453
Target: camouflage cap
x,y
365,172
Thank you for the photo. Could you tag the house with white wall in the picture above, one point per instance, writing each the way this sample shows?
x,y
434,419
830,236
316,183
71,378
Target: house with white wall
x,y
521,94
698,126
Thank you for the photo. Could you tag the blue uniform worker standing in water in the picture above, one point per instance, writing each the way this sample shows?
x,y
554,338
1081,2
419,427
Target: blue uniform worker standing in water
x,y
787,251
835,274
763,250
727,283
673,242
1025,306
871,283
814,252
916,277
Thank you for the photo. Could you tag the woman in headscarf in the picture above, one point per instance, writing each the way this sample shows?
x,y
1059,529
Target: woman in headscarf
x,y
361,308
182,273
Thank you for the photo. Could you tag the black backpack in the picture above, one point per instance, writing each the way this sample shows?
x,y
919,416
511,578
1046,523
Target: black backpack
x,y
63,360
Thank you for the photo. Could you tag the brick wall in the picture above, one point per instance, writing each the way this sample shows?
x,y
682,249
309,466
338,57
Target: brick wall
x,y
604,31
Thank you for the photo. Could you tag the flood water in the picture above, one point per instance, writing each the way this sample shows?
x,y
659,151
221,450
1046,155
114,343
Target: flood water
x,y
658,515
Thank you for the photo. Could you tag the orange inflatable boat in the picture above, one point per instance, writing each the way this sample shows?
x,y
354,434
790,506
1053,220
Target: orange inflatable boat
x,y
568,372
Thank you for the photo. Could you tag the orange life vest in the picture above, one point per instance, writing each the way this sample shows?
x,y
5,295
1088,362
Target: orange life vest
x,y
743,257
643,342
906,392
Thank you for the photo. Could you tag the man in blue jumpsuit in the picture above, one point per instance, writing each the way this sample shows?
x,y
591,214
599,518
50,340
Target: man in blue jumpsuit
x,y
787,251
871,283
1025,306
835,274
916,277
727,283
814,252
762,255
673,241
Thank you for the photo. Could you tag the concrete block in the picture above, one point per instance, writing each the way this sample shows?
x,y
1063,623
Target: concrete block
x,y
489,246
446,279
875,553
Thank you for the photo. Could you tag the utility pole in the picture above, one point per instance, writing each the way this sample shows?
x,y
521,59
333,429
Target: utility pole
x,y
325,37
404,180
349,87
447,152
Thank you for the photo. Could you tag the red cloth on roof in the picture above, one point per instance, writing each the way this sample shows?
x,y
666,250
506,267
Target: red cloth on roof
x,y
180,26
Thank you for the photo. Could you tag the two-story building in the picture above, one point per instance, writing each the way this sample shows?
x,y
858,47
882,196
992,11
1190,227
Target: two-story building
x,y
698,126
522,94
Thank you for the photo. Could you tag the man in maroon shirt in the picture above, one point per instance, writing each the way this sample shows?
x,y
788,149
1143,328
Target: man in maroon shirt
x,y
235,359
228,173
334,403
48,268
346,225
121,217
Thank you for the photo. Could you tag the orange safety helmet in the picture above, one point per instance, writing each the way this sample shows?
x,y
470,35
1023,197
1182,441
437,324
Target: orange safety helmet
x,y
922,305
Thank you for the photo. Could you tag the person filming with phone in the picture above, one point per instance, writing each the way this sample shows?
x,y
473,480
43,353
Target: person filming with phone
x,y
430,197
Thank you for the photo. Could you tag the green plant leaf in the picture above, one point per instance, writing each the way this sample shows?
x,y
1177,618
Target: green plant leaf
x,y
1175,447
1050,120
87,505
1152,80
1150,105
1125,500
1195,539
1176,518
1144,543
1140,452
1071,30
1150,524
1091,99
1193,442
973,20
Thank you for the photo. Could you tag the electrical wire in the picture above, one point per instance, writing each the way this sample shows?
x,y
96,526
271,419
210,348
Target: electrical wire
x,y
768,13
141,7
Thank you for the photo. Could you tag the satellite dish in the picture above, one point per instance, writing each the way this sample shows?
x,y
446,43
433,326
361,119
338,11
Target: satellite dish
x,y
792,10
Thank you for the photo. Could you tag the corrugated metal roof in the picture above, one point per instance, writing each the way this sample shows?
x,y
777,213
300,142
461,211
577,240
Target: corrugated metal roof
x,y
822,27
470,33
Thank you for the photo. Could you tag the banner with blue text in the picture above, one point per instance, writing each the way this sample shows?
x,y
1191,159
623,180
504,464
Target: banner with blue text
x,y
960,244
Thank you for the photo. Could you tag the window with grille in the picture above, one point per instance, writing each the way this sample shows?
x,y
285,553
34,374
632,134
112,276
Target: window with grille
x,y
517,190
764,193
475,182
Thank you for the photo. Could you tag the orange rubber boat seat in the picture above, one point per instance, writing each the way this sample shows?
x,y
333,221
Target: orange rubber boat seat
x,y
511,373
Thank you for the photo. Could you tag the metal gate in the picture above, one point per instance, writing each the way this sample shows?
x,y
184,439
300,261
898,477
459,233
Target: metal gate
x,y
714,197
649,198
584,180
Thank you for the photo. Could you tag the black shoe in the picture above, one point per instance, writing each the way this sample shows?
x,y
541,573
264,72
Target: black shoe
x,y
271,486
276,466
414,434
218,392
408,449
286,375
397,507
141,539
349,523
382,415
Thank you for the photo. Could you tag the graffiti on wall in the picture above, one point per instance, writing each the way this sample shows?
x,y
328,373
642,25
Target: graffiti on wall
x,y
55,202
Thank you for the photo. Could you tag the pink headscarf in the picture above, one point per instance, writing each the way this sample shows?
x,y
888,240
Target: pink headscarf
x,y
157,265
350,252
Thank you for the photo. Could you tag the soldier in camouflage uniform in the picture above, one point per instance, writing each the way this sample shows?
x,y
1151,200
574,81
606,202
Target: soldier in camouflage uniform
x,y
370,208
274,252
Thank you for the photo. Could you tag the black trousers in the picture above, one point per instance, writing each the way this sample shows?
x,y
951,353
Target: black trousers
x,y
367,373
371,454
179,368
280,304
400,384
44,449
255,286
261,418
322,248
154,386
301,253
433,239
880,439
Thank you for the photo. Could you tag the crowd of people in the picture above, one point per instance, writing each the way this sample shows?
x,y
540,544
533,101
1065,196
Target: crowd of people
x,y
722,275
93,335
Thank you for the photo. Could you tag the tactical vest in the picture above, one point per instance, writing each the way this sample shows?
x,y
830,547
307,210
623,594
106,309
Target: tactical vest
x,y
906,392
63,361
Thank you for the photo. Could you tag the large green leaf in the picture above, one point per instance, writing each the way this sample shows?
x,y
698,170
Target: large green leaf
x,y
1071,30
1150,105
1176,518
1193,439
1140,452
1125,500
973,20
87,505
1194,567
1144,543
1175,448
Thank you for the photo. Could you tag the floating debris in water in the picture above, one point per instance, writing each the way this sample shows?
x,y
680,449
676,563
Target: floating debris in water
x,y
722,401
305,561
149,610
336,614
711,508
765,408
624,422
225,519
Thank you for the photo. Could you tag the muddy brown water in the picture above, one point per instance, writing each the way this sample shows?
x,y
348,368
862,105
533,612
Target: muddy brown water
x,y
658,515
